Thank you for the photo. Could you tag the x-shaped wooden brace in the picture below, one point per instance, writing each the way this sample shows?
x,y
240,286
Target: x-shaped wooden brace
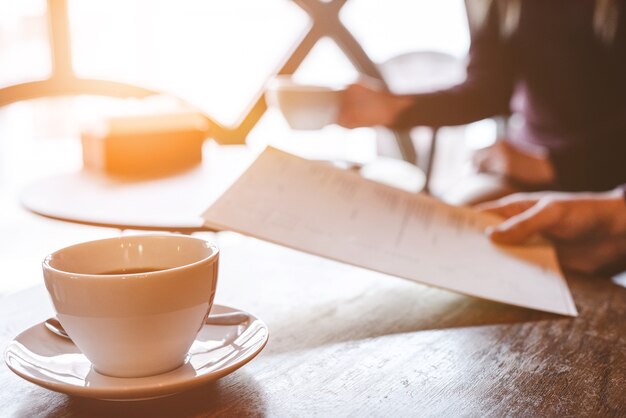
x,y
325,22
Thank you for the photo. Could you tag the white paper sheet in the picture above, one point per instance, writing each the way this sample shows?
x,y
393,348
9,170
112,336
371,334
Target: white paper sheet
x,y
314,207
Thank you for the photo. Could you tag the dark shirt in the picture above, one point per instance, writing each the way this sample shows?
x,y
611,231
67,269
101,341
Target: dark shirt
x,y
568,85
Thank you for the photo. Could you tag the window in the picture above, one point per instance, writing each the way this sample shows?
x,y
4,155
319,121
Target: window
x,y
214,54
24,50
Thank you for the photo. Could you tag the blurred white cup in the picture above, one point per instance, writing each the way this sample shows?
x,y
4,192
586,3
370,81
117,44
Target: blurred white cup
x,y
304,106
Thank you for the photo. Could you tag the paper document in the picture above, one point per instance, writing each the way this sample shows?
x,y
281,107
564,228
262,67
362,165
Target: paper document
x,y
314,207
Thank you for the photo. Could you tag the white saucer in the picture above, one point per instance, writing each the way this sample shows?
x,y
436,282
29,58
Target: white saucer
x,y
55,363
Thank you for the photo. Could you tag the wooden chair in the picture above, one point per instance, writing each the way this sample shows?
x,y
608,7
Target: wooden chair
x,y
427,71
421,72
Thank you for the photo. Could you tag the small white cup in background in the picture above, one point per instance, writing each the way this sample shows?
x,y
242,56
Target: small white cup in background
x,y
133,324
304,106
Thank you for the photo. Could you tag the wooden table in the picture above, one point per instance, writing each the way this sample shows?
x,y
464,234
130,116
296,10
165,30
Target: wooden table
x,y
349,342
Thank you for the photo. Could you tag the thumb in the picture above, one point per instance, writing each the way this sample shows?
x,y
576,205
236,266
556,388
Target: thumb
x,y
507,207
521,227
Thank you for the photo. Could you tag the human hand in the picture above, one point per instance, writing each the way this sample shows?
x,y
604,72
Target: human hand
x,y
507,160
368,104
589,229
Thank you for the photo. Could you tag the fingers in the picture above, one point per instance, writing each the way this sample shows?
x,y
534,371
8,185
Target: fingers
x,y
363,106
510,205
355,108
346,117
505,159
519,228
506,209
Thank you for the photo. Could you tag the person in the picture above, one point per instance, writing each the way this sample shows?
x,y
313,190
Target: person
x,y
559,65
589,229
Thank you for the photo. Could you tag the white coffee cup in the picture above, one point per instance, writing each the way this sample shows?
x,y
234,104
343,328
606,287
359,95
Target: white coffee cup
x,y
129,323
304,106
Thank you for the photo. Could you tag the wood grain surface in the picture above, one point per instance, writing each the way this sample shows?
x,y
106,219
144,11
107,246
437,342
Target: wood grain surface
x,y
349,342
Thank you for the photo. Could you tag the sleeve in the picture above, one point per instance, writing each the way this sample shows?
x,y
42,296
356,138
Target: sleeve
x,y
589,166
486,91
572,167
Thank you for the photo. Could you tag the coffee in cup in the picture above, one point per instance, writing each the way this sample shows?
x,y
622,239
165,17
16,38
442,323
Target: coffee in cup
x,y
133,305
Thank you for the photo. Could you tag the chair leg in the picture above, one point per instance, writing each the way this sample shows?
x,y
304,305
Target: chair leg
x,y
405,145
428,169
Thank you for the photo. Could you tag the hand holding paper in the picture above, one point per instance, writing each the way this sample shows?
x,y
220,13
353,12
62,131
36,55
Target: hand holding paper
x,y
316,208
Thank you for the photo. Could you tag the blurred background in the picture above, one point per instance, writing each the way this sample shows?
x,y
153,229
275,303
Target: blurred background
x,y
214,56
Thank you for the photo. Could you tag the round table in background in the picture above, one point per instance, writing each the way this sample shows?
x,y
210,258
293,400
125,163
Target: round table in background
x,y
173,203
